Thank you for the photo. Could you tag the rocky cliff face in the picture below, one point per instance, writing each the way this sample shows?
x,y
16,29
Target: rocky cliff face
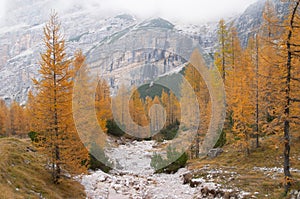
x,y
98,37
252,18
22,35
140,54
85,28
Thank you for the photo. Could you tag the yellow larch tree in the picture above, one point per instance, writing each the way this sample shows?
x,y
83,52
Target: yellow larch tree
x,y
172,107
103,104
156,116
201,92
270,72
175,108
148,103
137,113
31,110
87,105
57,133
120,108
234,61
280,58
243,107
290,60
165,99
17,120
3,118
222,55
83,101
77,156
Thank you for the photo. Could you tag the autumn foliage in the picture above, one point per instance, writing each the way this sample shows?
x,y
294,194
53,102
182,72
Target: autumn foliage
x,y
261,79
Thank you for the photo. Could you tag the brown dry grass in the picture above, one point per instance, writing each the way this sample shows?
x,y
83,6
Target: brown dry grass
x,y
23,174
268,184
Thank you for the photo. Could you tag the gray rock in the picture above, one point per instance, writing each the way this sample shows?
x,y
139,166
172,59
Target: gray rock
x,y
212,153
187,177
22,35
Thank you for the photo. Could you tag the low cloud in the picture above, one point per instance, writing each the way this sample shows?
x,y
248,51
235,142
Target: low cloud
x,y
186,11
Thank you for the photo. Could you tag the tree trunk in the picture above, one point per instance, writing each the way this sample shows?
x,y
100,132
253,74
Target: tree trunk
x,y
286,153
56,131
256,94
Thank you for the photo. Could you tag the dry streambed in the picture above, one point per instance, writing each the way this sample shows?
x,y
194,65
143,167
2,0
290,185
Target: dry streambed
x,y
134,178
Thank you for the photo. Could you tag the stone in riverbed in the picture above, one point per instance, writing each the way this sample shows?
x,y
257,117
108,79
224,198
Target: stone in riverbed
x,y
212,153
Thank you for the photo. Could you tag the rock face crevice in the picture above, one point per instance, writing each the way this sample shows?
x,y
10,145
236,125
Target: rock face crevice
x,y
21,39
21,35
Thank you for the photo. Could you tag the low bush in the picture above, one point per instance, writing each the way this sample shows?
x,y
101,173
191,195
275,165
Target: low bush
x,y
113,128
167,133
174,161
98,159
33,136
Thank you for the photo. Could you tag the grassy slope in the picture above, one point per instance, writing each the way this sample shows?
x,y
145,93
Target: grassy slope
x,y
23,174
269,184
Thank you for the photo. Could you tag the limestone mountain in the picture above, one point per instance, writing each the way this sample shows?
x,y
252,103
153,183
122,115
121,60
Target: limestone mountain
x,y
100,35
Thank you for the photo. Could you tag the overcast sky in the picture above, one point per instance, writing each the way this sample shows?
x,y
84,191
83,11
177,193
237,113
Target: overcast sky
x,y
178,10
2,7
186,10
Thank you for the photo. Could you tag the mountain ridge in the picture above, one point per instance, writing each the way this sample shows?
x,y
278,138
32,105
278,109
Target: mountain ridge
x,y
22,42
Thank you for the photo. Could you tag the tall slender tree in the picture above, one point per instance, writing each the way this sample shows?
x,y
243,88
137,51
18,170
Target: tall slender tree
x,y
201,92
54,103
138,115
270,72
17,120
284,48
291,52
156,117
222,55
103,103
3,118
227,58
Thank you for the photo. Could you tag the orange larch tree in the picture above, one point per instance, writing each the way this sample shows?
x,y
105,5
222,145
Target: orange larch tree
x,y
57,133
103,104
4,113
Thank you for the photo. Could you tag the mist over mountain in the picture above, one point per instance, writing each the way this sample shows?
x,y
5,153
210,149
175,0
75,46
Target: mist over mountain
x,y
85,27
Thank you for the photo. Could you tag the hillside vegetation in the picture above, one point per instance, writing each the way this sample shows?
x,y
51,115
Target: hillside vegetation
x,y
24,174
259,173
